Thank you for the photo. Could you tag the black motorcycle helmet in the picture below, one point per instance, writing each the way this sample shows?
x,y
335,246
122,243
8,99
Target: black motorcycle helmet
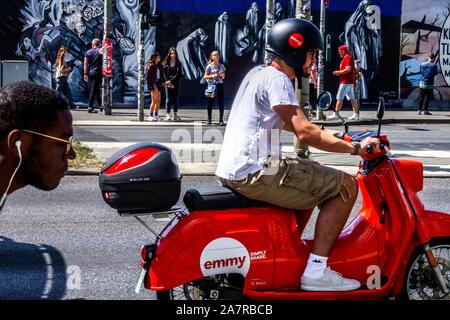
x,y
291,39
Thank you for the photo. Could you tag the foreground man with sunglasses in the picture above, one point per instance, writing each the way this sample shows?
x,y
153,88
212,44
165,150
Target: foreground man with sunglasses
x,y
35,137
250,160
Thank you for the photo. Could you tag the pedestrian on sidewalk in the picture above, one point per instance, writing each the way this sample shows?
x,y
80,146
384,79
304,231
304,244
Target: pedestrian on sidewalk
x,y
215,74
428,71
346,74
35,137
93,62
62,74
154,80
172,74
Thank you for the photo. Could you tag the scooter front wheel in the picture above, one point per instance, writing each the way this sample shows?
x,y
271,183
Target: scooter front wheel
x,y
217,287
420,282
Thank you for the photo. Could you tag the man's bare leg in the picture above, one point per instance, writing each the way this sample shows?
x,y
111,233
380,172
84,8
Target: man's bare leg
x,y
333,216
354,106
331,221
339,104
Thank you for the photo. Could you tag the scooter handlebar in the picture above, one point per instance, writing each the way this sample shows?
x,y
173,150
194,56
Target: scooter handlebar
x,y
358,136
383,145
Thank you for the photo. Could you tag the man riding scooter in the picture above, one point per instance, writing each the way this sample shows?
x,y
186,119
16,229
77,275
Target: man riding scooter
x,y
250,160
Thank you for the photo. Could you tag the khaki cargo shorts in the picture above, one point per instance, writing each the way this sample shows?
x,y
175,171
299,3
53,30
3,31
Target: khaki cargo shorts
x,y
290,183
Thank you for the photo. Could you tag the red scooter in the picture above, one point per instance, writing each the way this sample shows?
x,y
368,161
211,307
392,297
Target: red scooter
x,y
225,246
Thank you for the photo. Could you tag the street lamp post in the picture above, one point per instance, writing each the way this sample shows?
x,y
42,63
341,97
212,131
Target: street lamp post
x,y
269,24
301,149
107,57
141,68
321,64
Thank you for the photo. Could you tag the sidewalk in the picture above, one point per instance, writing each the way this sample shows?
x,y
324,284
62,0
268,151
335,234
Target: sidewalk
x,y
192,116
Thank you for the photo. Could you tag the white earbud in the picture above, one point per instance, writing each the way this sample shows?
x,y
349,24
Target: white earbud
x,y
3,198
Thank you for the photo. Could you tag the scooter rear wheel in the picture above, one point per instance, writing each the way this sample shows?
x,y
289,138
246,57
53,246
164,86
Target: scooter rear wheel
x,y
419,282
217,287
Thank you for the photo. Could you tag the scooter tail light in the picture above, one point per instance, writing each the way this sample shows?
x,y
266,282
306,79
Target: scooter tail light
x,y
143,252
147,254
132,160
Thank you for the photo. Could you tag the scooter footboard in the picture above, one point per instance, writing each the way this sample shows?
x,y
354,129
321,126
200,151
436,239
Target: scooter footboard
x,y
207,243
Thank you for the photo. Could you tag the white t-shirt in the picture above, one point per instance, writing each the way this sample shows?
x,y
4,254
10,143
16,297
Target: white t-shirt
x,y
254,127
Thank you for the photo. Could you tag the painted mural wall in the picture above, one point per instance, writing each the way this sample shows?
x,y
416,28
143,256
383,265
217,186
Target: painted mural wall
x,y
425,30
35,29
41,27
371,31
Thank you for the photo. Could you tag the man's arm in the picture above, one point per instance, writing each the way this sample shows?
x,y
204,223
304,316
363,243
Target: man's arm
x,y
307,132
85,69
342,72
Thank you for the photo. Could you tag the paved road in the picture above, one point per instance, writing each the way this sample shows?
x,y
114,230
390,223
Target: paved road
x,y
428,143
68,244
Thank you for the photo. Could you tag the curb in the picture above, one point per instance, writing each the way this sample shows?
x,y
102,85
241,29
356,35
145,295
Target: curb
x,y
199,172
333,123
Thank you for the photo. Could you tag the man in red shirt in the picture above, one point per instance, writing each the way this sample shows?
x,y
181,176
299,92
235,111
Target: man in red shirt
x,y
346,74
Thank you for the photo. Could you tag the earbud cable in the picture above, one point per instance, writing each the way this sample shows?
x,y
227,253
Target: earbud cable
x,y
2,201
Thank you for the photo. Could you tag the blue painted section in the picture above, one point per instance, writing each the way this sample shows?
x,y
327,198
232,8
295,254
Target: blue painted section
x,y
210,7
388,7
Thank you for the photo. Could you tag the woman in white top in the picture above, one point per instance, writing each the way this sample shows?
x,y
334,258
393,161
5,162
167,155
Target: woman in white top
x,y
215,74
62,74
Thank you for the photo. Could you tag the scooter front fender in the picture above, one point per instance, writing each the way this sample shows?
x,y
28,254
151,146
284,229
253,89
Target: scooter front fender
x,y
434,224
431,225
206,243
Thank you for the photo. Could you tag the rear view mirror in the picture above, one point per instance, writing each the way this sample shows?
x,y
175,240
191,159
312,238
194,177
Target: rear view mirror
x,y
325,101
380,110
380,114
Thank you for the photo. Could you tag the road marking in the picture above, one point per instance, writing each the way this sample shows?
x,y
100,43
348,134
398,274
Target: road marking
x,y
285,149
104,150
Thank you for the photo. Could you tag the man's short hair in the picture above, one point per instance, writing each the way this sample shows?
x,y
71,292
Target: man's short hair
x,y
271,56
27,105
96,41
432,56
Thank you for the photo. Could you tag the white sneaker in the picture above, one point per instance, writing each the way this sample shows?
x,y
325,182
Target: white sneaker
x,y
330,281
152,118
176,117
333,116
168,117
355,116
158,118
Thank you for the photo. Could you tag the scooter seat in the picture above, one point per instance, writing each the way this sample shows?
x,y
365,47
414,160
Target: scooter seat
x,y
218,198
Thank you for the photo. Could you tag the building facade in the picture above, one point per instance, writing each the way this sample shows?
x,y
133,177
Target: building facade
x,y
390,38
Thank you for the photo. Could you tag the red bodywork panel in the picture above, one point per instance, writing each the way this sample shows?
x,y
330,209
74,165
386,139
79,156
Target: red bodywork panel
x,y
264,244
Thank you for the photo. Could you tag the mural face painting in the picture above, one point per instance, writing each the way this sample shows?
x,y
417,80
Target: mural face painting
x,y
377,33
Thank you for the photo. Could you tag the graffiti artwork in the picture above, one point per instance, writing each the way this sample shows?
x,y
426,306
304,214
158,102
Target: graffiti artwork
x,y
362,36
50,24
35,29
423,32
